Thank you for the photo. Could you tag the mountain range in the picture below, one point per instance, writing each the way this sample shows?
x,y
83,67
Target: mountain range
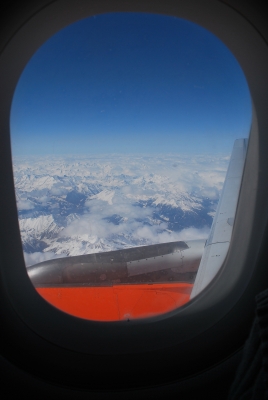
x,y
79,205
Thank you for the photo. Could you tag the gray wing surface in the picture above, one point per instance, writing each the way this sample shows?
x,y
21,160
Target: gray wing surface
x,y
174,261
217,245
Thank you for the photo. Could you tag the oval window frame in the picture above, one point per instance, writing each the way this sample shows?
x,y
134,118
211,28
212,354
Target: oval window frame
x,y
214,312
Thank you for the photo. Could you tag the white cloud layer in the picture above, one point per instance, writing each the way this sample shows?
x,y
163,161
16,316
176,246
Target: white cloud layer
x,y
24,205
121,191
37,257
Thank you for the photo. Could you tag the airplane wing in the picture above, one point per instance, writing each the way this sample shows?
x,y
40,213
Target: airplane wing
x,y
219,239
146,280
121,284
174,261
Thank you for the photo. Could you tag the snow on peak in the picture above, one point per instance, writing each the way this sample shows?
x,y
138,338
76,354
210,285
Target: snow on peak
x,y
105,195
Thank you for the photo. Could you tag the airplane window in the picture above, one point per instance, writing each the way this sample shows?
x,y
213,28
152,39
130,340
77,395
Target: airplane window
x,y
123,126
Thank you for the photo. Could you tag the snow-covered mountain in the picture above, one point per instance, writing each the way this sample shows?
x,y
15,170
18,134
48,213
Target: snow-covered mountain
x,y
78,205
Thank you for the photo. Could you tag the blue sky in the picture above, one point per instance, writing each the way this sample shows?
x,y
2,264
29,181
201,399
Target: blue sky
x,y
130,83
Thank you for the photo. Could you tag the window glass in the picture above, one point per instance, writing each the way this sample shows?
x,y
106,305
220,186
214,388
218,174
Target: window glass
x,y
122,127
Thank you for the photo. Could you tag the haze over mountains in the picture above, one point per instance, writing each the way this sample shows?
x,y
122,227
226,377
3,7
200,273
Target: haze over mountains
x,y
70,206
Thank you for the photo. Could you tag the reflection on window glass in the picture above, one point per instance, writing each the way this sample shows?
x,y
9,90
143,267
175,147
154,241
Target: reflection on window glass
x,y
122,126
